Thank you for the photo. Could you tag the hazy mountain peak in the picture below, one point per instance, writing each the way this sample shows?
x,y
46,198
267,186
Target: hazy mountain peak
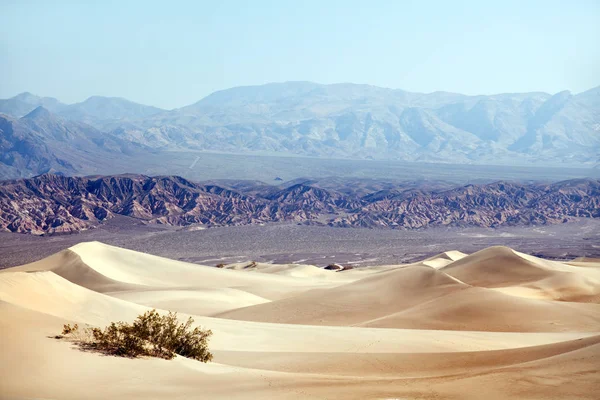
x,y
593,91
112,101
591,97
25,102
256,93
30,98
96,110
563,94
106,99
27,97
38,113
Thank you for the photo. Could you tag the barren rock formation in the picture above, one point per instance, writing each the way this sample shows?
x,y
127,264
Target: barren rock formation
x,y
57,204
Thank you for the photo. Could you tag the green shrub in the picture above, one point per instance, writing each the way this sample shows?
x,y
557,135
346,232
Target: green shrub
x,y
119,339
151,334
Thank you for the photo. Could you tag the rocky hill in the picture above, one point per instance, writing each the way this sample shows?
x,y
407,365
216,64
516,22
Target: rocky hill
x,y
53,204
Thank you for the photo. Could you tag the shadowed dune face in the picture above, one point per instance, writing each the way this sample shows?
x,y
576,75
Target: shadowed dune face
x,y
496,324
519,274
375,296
70,266
420,297
496,267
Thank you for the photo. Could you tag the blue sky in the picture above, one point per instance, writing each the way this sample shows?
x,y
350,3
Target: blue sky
x,y
170,54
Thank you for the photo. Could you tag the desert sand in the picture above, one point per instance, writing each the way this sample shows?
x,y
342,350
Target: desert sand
x,y
495,324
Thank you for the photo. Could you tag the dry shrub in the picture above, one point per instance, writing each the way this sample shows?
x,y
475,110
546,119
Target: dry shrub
x,y
151,334
75,334
68,329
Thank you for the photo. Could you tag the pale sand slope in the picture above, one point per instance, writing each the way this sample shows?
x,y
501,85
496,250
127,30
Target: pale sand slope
x,y
443,259
94,284
425,298
192,301
63,372
585,260
106,268
294,270
50,294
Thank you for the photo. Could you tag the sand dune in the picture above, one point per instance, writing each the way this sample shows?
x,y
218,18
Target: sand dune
x,y
494,324
585,260
294,270
50,294
104,268
143,269
409,365
484,310
418,297
497,266
70,266
443,259
371,297
204,302
523,275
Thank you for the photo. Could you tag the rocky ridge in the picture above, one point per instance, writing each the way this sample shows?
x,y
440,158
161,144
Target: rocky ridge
x,y
52,203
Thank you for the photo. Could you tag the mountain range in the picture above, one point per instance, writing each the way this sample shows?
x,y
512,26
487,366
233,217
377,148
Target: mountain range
x,y
303,118
57,204
43,142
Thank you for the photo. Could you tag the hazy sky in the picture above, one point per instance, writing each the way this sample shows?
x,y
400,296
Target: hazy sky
x,y
173,53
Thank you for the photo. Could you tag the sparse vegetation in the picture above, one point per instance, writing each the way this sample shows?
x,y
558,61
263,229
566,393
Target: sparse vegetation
x,y
67,329
220,265
151,334
251,265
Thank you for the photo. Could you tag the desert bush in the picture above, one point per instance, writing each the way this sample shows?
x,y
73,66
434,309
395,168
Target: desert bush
x,y
119,339
151,334
68,329
75,334
253,264
221,265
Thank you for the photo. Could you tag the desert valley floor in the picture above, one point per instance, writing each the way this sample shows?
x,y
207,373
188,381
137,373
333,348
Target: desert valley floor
x,y
494,324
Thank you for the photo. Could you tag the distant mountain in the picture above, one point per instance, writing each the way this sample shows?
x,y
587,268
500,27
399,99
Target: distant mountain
x,y
24,103
361,121
102,111
98,111
357,122
51,203
41,142
23,152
